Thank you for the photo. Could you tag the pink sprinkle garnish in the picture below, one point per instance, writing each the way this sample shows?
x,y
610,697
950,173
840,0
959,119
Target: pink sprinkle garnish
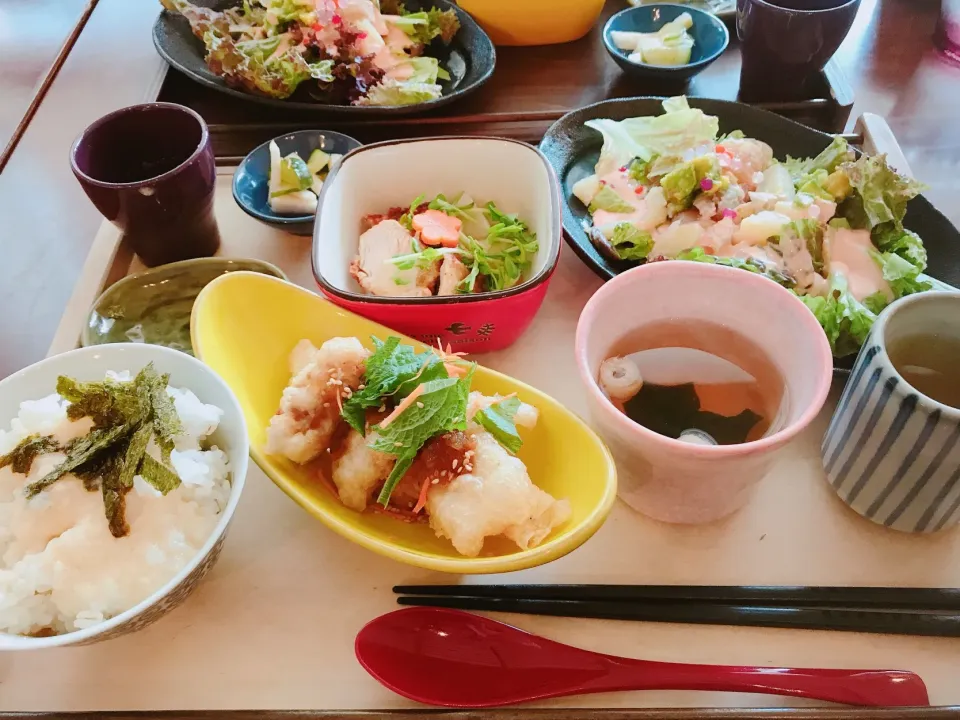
x,y
639,190
728,213
706,184
361,36
337,20
623,168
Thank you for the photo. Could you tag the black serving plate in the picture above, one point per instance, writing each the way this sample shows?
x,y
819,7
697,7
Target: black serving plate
x,y
573,151
469,59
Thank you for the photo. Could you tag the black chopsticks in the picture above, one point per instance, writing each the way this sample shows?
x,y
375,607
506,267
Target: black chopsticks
x,y
900,611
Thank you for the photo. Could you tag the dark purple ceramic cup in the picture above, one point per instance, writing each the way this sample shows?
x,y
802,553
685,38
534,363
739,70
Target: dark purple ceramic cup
x,y
149,169
786,43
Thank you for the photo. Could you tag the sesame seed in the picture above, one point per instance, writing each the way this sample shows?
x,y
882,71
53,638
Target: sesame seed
x,y
409,505
455,461
435,481
398,444
361,386
420,405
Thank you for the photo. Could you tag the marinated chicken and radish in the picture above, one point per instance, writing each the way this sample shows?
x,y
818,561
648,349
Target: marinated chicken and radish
x,y
830,228
400,432
442,247
107,490
344,52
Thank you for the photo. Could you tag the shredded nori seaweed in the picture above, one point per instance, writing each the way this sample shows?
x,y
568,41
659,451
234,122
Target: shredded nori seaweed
x,y
22,456
134,453
159,475
126,415
114,497
79,451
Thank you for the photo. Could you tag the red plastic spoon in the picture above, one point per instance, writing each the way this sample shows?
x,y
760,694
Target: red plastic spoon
x,y
455,659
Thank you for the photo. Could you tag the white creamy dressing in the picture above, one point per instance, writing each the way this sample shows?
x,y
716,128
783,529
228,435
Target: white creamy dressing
x,y
849,253
624,186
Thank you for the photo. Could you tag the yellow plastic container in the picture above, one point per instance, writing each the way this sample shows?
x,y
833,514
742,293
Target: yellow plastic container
x,y
534,22
245,324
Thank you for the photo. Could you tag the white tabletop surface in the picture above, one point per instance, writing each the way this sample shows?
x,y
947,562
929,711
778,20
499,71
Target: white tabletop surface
x,y
273,625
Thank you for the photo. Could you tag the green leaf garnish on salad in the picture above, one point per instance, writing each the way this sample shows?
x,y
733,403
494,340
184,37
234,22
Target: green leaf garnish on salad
x,y
498,421
341,55
496,248
390,369
631,243
441,406
830,227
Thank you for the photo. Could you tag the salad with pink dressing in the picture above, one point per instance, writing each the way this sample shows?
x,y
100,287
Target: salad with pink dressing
x,y
348,52
829,228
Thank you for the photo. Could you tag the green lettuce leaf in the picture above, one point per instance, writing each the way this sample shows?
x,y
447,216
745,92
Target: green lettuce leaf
x,y
877,302
631,243
810,233
497,419
698,254
440,408
426,25
835,154
880,195
845,320
901,275
608,199
424,70
392,92
904,243
678,129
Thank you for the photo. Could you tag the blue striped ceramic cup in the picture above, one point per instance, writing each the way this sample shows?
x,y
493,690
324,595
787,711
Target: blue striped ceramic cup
x,y
892,453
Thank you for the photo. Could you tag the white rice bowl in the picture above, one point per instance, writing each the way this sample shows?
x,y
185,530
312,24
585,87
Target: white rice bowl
x,y
60,568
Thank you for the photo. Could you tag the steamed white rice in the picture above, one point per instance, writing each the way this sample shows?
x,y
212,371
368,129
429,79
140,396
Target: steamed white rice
x,y
60,568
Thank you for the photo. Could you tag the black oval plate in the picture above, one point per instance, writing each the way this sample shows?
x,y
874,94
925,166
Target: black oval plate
x,y
573,151
469,59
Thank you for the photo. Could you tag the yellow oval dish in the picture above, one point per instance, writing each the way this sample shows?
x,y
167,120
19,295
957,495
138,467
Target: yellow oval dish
x,y
534,22
245,324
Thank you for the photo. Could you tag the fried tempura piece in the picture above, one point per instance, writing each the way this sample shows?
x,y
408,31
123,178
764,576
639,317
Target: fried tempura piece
x,y
310,407
496,497
360,470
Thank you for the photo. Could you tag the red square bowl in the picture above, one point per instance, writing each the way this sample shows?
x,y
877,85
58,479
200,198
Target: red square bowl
x,y
374,178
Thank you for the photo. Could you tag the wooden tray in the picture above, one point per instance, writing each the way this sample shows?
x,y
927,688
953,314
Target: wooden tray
x,y
274,624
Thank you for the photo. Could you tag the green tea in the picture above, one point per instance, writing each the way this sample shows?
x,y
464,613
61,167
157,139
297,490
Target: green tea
x,y
929,364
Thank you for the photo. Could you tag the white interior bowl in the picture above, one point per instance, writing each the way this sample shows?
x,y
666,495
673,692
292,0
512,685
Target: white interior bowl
x,y
374,178
92,363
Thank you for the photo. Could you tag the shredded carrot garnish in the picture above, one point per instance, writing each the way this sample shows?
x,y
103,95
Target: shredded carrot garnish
x,y
422,500
404,404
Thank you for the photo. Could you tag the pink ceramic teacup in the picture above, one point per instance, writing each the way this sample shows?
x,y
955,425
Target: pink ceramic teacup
x,y
673,480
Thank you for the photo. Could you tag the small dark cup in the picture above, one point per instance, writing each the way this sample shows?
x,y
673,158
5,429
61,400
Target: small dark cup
x,y
786,43
150,170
